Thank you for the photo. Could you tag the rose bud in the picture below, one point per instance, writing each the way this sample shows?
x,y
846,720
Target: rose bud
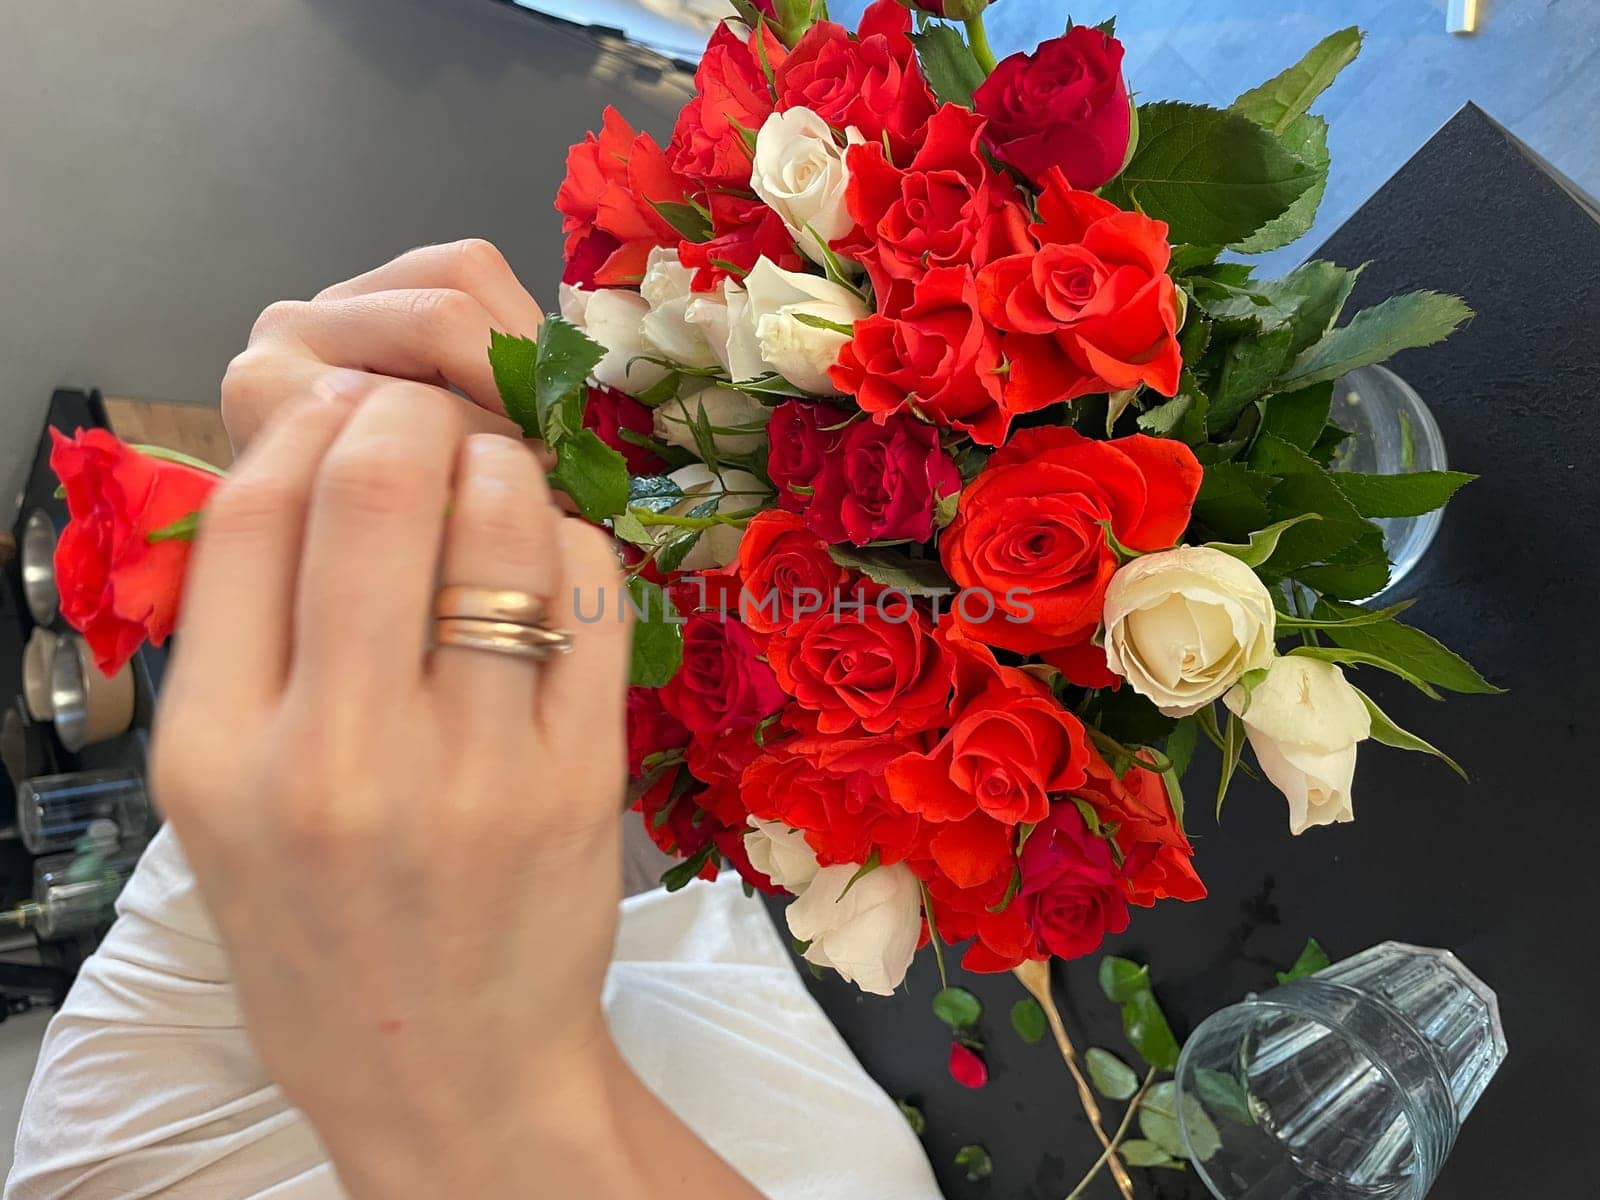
x,y
867,930
950,10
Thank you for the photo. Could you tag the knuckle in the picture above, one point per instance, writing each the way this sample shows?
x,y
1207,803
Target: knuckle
x,y
446,312
241,388
276,316
478,262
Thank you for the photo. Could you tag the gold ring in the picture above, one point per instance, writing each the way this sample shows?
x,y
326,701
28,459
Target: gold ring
x,y
488,604
502,637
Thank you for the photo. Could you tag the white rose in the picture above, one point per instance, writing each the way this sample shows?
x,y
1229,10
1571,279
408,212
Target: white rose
x,y
737,492
781,854
868,934
1304,720
665,288
614,318
720,315
775,301
1182,625
799,171
725,409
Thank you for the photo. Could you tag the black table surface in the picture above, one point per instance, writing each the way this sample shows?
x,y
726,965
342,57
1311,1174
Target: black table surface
x,y
1502,870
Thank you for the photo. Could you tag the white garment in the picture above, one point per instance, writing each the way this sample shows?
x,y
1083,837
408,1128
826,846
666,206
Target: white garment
x,y
147,1086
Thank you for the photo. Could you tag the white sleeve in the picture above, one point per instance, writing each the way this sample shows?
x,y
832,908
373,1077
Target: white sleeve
x,y
147,1084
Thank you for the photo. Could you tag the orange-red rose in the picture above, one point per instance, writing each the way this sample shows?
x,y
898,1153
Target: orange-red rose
x,y
730,94
1157,857
784,567
1027,533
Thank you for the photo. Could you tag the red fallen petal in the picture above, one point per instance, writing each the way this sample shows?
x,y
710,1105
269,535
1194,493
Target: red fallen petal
x,y
966,1068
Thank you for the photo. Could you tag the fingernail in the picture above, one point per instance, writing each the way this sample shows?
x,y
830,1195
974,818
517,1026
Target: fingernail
x,y
342,386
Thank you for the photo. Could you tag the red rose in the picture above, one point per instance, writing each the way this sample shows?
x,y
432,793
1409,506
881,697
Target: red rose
x,y
731,94
742,230
948,208
1093,310
118,587
832,788
800,436
871,81
998,927
1027,537
607,413
612,184
721,683
1009,748
936,358
675,822
587,256
1070,885
718,758
882,481
1156,853
877,668
784,567
651,729
1064,106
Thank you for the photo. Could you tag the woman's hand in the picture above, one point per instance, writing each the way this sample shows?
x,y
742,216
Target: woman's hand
x,y
412,853
426,316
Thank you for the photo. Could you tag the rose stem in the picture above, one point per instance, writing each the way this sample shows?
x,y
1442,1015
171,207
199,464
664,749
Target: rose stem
x,y
1109,1153
978,39
1035,976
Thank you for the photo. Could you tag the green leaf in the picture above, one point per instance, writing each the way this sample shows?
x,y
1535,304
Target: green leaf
x,y
1232,500
1401,495
1181,743
690,222
1307,139
1276,103
1148,1032
181,530
1304,486
1113,1078
895,569
1312,959
1406,646
1028,1019
1128,717
1140,1152
657,636
1214,177
1248,369
1375,334
592,473
515,362
656,493
1358,616
628,528
1263,542
1165,420
948,64
957,1007
977,1162
1384,730
1341,656
1122,979
1315,292
1232,748
811,320
164,454
1298,417
1223,1095
680,876
1158,1121
566,357
913,1116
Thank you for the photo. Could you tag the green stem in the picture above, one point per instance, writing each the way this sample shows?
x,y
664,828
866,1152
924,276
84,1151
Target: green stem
x,y
650,518
1116,1138
978,39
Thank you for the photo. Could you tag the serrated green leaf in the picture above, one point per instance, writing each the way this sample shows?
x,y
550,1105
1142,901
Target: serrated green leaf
x,y
1298,417
895,569
1408,495
1341,656
1406,646
957,1007
1147,1031
1263,542
1164,419
1158,1121
1113,1078
656,493
1180,745
1376,334
1223,1095
657,636
566,357
1141,1152
1307,139
592,473
1278,102
1312,959
948,64
1233,499
1248,370
627,528
690,222
1028,1019
1122,979
1358,616
1384,730
680,876
515,362
1316,292
1214,177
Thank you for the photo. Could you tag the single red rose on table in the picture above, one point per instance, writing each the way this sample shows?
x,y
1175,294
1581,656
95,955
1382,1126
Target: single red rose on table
x,y
743,230
118,587
1157,857
876,668
801,434
785,572
613,182
1091,310
882,481
936,358
608,412
1065,106
731,95
946,207
722,682
870,80
1071,888
1028,536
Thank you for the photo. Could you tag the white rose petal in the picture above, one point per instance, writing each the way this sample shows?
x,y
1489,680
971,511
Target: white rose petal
x,y
799,170
776,300
614,318
667,326
1304,721
869,933
737,492
781,854
1182,625
725,409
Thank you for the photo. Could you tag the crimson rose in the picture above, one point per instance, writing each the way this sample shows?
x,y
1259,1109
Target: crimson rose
x,y
651,728
882,481
1070,885
743,229
721,683
1157,856
608,412
800,436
